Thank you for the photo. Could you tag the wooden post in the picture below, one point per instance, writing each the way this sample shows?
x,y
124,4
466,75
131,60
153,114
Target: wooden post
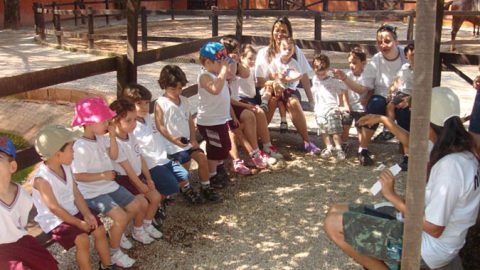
x,y
82,7
402,5
172,9
36,17
325,5
127,68
107,19
143,22
214,22
42,23
437,61
54,4
239,24
417,166
410,28
57,25
90,28
75,7
318,26
247,6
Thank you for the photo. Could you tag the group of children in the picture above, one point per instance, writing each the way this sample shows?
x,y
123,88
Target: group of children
x,y
123,162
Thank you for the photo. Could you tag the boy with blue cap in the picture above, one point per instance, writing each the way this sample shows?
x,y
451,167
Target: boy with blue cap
x,y
18,250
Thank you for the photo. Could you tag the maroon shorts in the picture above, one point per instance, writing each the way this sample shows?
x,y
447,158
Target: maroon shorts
x,y
26,253
124,181
218,141
65,233
238,111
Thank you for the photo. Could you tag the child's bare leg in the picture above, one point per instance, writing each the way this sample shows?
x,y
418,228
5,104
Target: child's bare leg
x,y
120,220
235,136
262,126
326,140
136,210
283,111
346,132
82,242
101,245
390,112
154,200
247,118
202,162
360,134
337,138
212,165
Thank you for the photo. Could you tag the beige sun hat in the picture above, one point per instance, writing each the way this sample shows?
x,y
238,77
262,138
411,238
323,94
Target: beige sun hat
x,y
445,104
52,138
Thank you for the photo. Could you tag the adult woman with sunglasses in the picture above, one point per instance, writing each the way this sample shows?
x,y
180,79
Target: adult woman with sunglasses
x,y
378,76
281,29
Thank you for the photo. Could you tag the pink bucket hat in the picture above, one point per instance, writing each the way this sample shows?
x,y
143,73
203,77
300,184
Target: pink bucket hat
x,y
91,111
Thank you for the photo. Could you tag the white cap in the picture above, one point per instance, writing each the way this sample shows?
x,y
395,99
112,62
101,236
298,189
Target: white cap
x,y
445,104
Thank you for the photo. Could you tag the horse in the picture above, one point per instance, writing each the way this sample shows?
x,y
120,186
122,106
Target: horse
x,y
457,21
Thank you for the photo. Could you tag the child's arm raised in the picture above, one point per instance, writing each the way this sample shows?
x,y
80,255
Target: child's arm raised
x,y
82,206
339,74
113,149
160,123
215,86
134,177
48,198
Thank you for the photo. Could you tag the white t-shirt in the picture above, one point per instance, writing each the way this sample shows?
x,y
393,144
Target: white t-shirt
x,y
14,217
405,76
354,98
62,191
213,109
452,198
262,64
245,87
152,143
176,120
128,149
379,73
287,69
326,93
90,156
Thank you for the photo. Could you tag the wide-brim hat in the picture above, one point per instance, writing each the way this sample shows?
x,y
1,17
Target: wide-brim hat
x,y
445,104
52,138
7,146
91,111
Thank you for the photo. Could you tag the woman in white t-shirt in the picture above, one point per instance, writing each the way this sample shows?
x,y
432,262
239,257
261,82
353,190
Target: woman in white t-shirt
x,y
282,28
452,197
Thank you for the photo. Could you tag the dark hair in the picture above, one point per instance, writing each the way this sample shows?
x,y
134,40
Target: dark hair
x,y
320,62
171,75
272,47
62,149
388,28
452,139
358,53
136,92
122,107
247,48
230,44
9,158
409,47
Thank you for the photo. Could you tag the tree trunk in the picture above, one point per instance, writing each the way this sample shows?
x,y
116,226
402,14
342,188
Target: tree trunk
x,y
12,13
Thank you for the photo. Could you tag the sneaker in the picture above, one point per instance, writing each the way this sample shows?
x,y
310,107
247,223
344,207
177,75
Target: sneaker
x,y
258,160
268,159
364,158
404,163
273,152
283,127
152,232
125,243
160,216
210,194
341,155
216,181
239,167
264,107
312,148
326,153
384,136
142,236
192,196
121,259
222,172
110,267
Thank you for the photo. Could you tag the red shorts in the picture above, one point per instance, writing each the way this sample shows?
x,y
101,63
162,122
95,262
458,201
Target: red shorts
x,y
218,141
124,181
65,233
26,253
238,111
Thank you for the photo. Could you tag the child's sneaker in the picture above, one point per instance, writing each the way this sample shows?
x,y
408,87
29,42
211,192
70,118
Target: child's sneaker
x,y
340,154
326,153
142,236
110,267
125,243
273,152
210,194
239,167
121,259
283,127
217,181
152,232
222,173
257,159
312,148
364,158
268,159
191,196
